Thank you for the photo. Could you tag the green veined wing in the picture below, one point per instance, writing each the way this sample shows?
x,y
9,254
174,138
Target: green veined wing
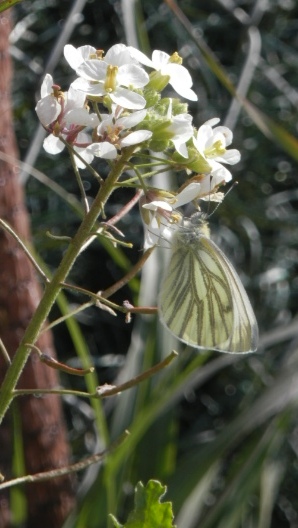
x,y
202,300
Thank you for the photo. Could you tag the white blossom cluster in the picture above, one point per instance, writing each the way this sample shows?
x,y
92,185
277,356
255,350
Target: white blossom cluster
x,y
114,103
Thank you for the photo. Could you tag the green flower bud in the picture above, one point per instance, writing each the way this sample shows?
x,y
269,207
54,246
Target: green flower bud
x,y
195,162
152,97
158,81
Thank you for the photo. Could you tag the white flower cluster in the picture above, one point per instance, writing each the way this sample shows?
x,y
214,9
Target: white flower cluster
x,y
128,110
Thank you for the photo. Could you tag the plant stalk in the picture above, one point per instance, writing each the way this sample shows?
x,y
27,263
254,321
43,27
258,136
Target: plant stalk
x,y
53,288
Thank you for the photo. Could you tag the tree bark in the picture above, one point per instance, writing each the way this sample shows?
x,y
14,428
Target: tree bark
x,y
43,428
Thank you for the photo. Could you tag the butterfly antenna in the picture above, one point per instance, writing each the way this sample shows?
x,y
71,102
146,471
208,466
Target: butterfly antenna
x,y
228,192
209,201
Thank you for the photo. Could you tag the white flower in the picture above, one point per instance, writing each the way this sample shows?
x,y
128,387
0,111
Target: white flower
x,y
160,216
62,108
180,78
113,133
209,185
76,56
48,107
64,114
211,143
101,150
117,55
115,75
182,130
116,129
53,145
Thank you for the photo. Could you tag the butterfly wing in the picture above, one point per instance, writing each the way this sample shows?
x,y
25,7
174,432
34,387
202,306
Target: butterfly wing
x,y
202,300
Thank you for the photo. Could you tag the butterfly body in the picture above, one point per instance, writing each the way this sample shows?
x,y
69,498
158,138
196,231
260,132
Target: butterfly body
x,y
202,300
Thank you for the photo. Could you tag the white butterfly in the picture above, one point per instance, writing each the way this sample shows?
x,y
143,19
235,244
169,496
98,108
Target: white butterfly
x,y
202,300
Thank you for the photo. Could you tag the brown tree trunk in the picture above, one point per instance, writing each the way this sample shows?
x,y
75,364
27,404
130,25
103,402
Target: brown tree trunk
x,y
44,432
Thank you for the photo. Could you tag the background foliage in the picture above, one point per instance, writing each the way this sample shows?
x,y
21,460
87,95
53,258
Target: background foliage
x,y
220,432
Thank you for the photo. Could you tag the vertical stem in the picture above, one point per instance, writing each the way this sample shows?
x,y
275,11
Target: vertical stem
x,y
53,288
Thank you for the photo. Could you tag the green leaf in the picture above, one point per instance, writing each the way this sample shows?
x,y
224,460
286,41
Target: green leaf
x,y
6,4
149,511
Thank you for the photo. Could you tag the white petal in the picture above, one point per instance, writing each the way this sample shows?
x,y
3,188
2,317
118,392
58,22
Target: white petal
x,y
136,137
158,204
53,145
180,147
187,93
189,193
48,109
118,55
204,136
128,99
231,157
181,80
103,150
181,126
219,171
93,70
132,75
154,232
89,88
81,116
213,121
140,57
75,99
75,57
133,119
209,182
160,59
226,133
82,138
47,86
85,154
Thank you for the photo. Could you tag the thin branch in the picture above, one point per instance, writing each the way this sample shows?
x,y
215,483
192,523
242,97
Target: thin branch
x,y
104,393
66,470
57,365
63,318
25,249
130,275
69,198
79,180
124,210
148,310
4,353
53,363
75,153
97,297
58,391
104,295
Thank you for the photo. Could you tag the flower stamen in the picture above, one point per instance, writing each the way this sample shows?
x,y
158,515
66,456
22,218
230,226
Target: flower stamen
x,y
111,76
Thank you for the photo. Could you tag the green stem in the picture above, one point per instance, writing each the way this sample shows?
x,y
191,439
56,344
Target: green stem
x,y
53,288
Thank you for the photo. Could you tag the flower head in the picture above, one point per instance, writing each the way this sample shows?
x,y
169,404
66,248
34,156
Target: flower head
x,y
182,130
169,66
117,129
159,211
211,144
64,115
115,74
